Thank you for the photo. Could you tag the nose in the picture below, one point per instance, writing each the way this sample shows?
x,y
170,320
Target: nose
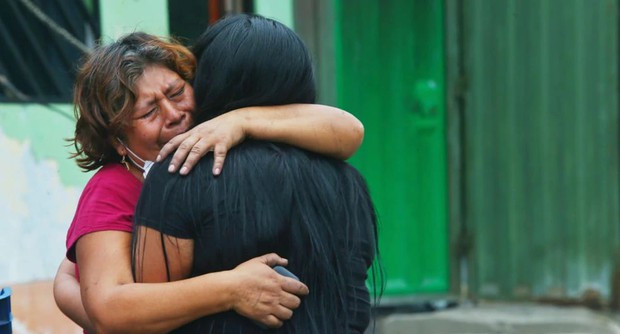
x,y
172,115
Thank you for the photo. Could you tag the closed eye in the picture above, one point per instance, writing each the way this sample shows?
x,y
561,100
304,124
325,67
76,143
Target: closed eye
x,y
178,92
149,113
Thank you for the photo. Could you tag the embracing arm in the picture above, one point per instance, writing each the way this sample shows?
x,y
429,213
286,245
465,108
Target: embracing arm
x,y
318,128
116,304
67,295
259,301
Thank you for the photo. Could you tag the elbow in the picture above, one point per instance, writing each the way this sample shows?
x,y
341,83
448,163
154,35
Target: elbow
x,y
99,328
358,131
61,291
56,291
356,136
111,318
109,326
108,318
106,329
102,323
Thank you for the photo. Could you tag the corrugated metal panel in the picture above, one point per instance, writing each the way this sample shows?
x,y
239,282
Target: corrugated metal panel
x,y
541,145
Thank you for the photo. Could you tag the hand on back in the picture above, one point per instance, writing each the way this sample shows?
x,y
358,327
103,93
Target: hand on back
x,y
264,295
219,135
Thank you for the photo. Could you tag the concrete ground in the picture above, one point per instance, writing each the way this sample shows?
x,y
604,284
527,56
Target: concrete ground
x,y
500,318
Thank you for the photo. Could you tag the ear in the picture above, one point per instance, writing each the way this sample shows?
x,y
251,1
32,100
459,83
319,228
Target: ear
x,y
120,148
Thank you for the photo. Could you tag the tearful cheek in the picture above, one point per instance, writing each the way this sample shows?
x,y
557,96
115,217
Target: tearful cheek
x,y
187,105
166,137
168,133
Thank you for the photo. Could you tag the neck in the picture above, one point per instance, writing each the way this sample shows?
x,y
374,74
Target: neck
x,y
135,163
136,172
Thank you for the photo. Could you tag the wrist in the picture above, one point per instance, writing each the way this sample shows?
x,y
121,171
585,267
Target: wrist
x,y
229,289
244,118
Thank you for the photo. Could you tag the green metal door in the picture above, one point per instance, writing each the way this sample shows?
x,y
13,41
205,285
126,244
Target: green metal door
x,y
390,73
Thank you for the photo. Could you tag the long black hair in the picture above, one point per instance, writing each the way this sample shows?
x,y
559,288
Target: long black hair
x,y
248,60
313,210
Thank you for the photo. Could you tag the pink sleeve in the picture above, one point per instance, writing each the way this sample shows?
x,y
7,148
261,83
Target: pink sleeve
x,y
106,204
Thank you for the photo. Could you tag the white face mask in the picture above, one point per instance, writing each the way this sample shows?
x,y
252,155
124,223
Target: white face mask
x,y
146,164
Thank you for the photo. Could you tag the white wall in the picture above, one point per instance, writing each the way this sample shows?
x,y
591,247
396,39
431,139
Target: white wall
x,y
39,189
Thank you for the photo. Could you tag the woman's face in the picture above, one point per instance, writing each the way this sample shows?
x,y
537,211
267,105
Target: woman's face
x,y
163,109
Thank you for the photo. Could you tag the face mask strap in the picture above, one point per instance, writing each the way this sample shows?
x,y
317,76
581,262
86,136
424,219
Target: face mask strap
x,y
146,164
124,162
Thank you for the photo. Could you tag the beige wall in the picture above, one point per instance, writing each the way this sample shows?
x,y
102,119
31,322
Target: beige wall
x,y
34,311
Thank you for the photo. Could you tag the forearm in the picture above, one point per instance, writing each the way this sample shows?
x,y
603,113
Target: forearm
x,y
67,296
255,290
318,128
123,308
115,304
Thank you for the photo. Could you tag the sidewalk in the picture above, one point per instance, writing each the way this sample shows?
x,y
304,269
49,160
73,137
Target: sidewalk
x,y
501,318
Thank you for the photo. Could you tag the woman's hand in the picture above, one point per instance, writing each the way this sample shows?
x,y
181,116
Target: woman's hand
x,y
317,128
263,295
218,135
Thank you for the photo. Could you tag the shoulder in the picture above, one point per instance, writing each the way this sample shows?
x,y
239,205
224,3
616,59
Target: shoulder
x,y
106,204
266,151
116,174
112,182
159,177
161,186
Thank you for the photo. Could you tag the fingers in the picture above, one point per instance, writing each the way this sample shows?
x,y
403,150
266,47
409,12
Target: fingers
x,y
197,151
184,148
219,157
189,150
170,146
271,321
283,313
269,298
273,259
294,286
290,302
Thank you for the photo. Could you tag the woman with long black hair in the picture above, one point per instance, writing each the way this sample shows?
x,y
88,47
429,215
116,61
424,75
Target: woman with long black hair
x,y
313,210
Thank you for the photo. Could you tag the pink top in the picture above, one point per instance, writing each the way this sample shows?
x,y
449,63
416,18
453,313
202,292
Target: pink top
x,y
106,204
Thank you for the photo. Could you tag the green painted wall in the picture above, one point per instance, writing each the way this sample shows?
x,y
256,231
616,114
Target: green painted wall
x,y
119,17
45,130
280,10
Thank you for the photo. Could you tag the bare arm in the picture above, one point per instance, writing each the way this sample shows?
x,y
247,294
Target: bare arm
x,y
318,128
116,304
68,297
261,303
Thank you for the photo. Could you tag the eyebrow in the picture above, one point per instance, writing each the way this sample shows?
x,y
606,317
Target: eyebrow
x,y
151,101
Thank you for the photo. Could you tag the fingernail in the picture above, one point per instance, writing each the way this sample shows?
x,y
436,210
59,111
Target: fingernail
x,y
184,170
171,168
216,171
158,159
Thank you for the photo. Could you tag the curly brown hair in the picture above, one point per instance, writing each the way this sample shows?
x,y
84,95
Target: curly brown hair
x,y
105,94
